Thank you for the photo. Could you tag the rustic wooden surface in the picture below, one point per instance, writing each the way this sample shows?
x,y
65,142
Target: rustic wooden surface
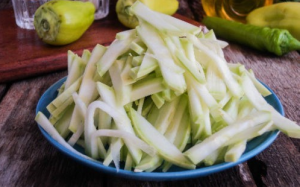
x,y
27,159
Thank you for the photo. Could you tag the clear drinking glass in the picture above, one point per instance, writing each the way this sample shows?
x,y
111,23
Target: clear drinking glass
x,y
24,12
102,8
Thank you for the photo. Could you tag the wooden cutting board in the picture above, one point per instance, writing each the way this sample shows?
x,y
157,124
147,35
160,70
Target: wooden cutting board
x,y
23,54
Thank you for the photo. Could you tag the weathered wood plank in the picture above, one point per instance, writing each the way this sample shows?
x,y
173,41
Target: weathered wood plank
x,y
19,135
3,88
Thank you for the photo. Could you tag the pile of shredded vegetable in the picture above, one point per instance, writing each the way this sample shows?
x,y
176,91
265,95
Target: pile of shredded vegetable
x,y
161,94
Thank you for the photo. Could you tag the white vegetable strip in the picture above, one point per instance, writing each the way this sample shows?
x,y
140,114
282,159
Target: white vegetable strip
x,y
116,144
59,100
117,48
146,88
166,115
167,65
221,64
148,65
283,124
125,34
235,151
199,151
123,123
122,91
82,108
150,135
126,136
182,25
142,11
76,71
42,120
87,89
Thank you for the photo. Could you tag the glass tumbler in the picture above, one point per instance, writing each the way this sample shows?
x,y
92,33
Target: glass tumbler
x,y
102,8
24,12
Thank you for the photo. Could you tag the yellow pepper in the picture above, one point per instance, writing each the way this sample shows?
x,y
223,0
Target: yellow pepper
x,y
282,15
126,18
60,22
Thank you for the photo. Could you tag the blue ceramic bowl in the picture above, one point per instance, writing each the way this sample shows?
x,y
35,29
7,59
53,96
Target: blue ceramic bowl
x,y
254,147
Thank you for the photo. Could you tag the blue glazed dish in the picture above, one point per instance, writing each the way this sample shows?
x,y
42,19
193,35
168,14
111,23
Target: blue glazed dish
x,y
254,147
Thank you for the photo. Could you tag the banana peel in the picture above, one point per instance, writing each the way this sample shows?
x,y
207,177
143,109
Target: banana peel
x,y
168,7
60,22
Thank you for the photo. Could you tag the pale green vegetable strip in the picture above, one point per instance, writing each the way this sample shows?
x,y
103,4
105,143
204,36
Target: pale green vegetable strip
x,y
108,96
117,48
95,147
196,154
62,125
148,65
215,157
165,116
235,151
204,94
221,64
128,163
207,131
225,99
182,25
260,87
65,95
83,109
71,57
182,137
176,121
137,48
167,65
104,122
215,85
113,153
165,149
249,134
232,107
146,88
58,112
125,75
116,143
86,55
149,162
42,120
140,106
160,118
283,124
158,99
202,58
196,114
125,34
75,72
188,48
137,60
143,12
87,89
122,91
137,142
189,65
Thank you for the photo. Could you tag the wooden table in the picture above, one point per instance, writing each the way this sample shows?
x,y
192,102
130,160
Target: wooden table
x,y
27,159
